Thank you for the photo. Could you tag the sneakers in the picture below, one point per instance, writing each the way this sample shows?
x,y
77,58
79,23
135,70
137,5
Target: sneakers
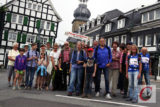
x,y
19,87
14,88
134,101
97,94
108,96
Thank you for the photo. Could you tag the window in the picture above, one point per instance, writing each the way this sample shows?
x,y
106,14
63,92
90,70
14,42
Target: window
x,y
98,20
145,17
156,38
134,40
121,23
34,6
39,7
48,25
88,25
97,37
93,22
140,41
151,15
29,5
20,20
123,39
148,40
110,42
108,27
14,18
31,39
116,38
42,24
12,36
44,40
158,14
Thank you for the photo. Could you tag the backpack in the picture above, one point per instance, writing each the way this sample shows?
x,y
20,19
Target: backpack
x,y
109,51
28,54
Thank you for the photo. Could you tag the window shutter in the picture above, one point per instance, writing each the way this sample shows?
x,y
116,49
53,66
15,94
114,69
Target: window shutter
x,y
9,16
25,22
6,35
52,26
24,38
38,24
50,40
18,37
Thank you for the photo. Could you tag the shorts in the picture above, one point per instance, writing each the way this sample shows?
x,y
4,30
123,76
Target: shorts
x,y
20,72
11,71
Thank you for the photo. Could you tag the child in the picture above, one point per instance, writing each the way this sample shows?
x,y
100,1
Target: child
x,y
41,71
20,67
90,73
133,73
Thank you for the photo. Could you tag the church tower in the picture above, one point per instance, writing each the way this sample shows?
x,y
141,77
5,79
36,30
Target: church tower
x,y
81,15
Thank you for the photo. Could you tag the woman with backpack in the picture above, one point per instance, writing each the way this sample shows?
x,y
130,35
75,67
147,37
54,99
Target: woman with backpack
x,y
133,73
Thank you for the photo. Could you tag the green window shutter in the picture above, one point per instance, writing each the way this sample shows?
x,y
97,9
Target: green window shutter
x,y
9,16
24,36
6,35
25,22
38,24
52,26
50,40
18,37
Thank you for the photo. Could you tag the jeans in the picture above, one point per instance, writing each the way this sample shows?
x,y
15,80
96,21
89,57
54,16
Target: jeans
x,y
30,71
76,74
88,83
146,76
98,79
133,85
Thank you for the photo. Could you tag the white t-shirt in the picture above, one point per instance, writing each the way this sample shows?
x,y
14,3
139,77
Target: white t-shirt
x,y
12,53
55,55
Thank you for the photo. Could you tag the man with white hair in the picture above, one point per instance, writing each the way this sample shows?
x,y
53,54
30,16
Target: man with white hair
x,y
11,57
146,66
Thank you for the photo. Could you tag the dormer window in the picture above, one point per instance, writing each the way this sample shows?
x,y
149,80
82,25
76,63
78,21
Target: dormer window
x,y
93,23
121,23
108,27
98,20
88,25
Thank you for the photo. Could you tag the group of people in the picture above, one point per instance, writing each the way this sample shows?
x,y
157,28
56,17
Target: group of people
x,y
123,68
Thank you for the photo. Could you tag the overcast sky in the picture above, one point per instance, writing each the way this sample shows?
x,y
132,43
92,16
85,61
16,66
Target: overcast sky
x,y
65,8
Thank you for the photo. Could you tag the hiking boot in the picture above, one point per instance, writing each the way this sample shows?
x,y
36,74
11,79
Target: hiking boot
x,y
89,96
77,94
69,94
84,95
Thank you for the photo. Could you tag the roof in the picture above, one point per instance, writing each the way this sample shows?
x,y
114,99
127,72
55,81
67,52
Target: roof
x,y
112,14
50,2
